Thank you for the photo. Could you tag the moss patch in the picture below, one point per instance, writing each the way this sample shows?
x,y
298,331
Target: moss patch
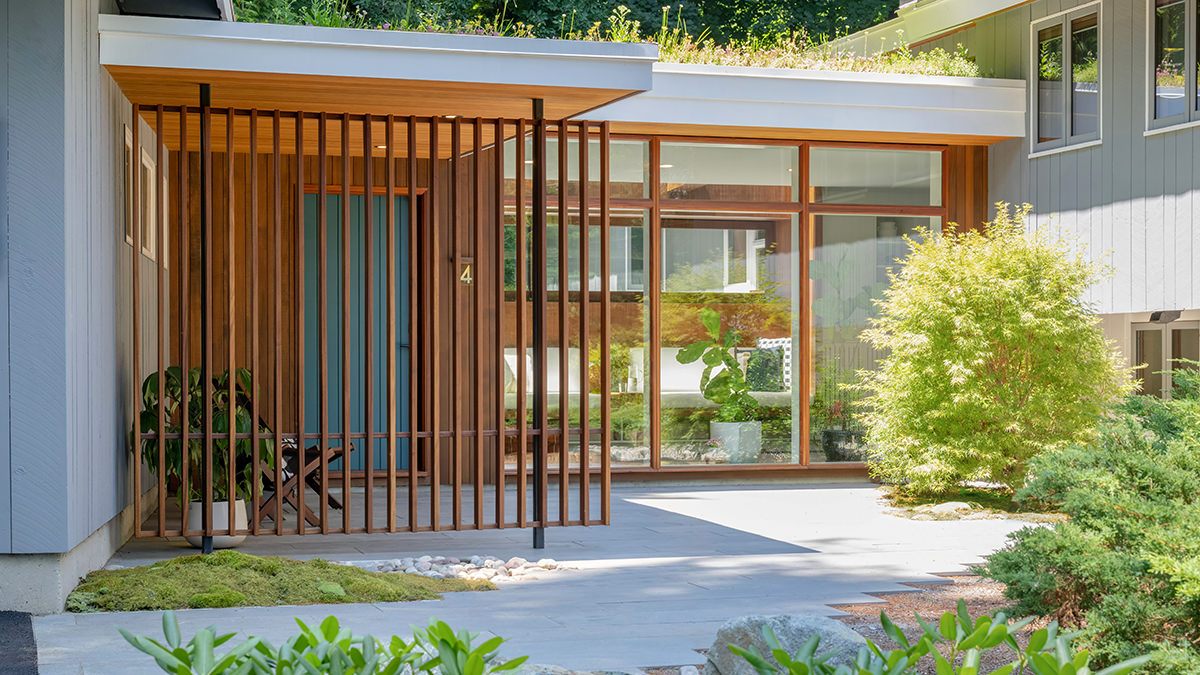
x,y
995,499
232,579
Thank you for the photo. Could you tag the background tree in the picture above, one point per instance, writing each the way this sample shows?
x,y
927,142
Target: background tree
x,y
993,357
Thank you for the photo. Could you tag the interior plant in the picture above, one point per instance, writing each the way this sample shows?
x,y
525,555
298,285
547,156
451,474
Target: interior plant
x,y
171,391
956,645
992,357
728,388
327,648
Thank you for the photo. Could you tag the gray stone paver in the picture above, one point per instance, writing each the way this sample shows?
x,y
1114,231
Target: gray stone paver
x,y
647,591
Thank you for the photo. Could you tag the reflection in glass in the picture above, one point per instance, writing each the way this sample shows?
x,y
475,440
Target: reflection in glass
x,y
1085,76
1170,79
727,172
850,259
1185,346
1050,82
628,167
628,334
736,267
875,176
1148,353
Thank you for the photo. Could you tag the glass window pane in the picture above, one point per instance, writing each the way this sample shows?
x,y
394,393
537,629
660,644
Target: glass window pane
x,y
1170,71
1148,352
876,176
735,268
1185,346
848,268
1050,101
1085,76
725,172
628,167
628,356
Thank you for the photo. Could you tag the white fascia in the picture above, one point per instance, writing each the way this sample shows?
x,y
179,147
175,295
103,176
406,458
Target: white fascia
x,y
347,52
919,21
836,101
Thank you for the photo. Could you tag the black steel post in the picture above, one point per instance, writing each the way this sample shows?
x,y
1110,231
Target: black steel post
x,y
538,282
205,102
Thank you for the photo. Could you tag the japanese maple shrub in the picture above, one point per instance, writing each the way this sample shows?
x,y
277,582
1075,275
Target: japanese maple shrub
x,y
992,356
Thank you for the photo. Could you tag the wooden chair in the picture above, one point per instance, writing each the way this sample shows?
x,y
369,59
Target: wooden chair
x,y
296,470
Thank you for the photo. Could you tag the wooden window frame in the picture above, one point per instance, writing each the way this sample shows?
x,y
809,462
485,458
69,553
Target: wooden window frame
x,y
127,185
805,211
148,215
1191,115
1069,139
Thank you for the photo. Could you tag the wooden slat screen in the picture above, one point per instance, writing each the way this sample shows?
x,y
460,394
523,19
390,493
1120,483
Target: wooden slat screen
x,y
358,306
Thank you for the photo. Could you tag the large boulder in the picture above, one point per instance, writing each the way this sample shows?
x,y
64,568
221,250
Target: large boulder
x,y
793,630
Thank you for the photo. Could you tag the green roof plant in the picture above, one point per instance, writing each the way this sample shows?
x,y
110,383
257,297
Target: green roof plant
x,y
769,48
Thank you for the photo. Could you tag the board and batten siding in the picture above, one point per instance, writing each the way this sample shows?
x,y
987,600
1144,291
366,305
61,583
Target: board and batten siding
x,y
1134,199
64,371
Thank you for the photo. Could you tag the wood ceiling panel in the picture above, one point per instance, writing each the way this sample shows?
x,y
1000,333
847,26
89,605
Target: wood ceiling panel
x,y
772,133
316,93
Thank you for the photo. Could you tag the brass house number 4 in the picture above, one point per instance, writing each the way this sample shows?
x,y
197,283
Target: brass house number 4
x,y
465,277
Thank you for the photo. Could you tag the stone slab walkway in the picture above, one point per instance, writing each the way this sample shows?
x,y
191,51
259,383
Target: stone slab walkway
x,y
648,590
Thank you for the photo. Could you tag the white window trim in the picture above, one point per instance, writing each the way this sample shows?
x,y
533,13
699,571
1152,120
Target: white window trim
x,y
1192,117
1068,142
149,243
127,165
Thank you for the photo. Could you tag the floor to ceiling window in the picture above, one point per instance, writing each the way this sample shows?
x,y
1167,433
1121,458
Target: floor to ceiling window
x,y
741,274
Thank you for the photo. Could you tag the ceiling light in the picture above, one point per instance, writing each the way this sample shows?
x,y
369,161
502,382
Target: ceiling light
x,y
529,161
381,147
666,166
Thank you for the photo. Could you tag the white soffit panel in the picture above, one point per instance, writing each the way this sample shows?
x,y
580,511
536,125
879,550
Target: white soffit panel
x,y
837,101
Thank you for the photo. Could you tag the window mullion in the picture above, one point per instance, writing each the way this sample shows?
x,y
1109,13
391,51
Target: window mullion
x,y
1189,32
1068,81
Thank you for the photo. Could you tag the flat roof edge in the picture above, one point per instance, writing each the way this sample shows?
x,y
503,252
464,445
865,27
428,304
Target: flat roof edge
x,y
662,68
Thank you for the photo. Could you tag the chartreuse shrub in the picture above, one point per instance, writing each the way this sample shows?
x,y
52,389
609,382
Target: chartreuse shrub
x,y
992,357
1125,567
956,645
329,648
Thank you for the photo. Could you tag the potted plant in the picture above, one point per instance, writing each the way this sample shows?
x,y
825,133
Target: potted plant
x,y
174,456
735,427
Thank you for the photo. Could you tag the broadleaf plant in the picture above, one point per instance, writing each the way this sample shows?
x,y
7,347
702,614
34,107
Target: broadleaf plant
x,y
728,387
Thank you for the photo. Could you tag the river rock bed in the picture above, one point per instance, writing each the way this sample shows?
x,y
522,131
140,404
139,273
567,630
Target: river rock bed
x,y
485,567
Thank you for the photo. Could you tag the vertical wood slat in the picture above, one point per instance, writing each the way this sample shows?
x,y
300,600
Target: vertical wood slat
x,y
184,317
585,434
415,309
605,332
390,206
230,323
277,316
522,302
206,372
435,267
369,309
301,373
345,321
477,305
160,328
539,330
456,374
135,232
255,487
564,328
323,323
498,268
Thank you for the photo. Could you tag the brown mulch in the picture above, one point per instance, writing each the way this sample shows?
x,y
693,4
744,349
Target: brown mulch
x,y
982,596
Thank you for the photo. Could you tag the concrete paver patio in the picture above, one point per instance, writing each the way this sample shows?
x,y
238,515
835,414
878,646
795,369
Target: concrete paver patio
x,y
649,590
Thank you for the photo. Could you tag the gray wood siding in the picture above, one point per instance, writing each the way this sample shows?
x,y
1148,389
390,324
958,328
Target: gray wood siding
x,y
1133,199
6,468
60,275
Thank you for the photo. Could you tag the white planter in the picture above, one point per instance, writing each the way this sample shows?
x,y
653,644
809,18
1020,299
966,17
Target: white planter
x,y
220,521
741,441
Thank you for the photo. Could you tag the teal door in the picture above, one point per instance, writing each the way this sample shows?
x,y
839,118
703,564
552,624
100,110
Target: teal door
x,y
356,314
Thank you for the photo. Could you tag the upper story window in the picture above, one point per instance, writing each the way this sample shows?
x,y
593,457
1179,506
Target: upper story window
x,y
1067,99
1173,62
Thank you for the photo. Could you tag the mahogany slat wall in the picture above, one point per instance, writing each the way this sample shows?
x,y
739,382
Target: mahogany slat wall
x,y
350,272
